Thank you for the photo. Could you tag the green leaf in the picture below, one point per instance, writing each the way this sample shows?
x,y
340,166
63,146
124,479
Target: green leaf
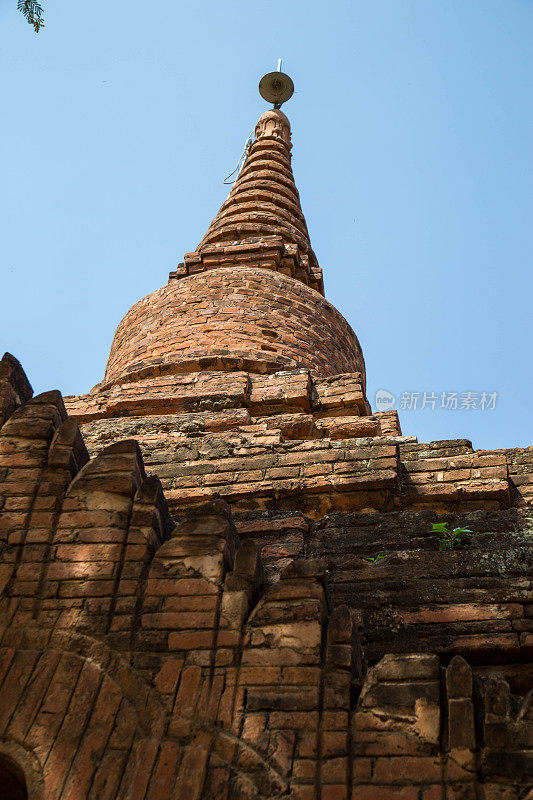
x,y
374,559
32,11
440,527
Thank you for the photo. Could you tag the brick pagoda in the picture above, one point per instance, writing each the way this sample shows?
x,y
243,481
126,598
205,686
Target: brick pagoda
x,y
192,602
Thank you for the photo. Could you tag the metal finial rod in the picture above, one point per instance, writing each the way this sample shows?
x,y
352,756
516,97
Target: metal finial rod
x,y
279,64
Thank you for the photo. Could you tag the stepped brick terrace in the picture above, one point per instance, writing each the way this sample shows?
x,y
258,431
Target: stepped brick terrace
x,y
217,577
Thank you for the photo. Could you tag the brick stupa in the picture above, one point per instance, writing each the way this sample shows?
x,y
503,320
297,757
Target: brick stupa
x,y
192,602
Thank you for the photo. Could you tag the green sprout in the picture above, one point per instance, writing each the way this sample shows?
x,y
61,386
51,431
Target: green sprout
x,y
455,539
374,559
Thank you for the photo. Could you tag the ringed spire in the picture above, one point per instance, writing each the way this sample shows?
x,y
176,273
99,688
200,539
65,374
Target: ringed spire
x,y
261,223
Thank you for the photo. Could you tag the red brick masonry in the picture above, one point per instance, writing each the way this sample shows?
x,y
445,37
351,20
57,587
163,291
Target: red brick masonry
x,y
233,318
144,657
217,580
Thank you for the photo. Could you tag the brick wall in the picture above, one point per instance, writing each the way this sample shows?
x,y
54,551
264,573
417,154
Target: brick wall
x,y
144,656
293,440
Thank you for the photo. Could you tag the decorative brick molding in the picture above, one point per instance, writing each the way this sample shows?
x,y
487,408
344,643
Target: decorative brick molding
x,y
292,441
14,386
269,252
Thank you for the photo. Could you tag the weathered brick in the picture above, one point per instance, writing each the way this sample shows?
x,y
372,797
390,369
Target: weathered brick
x,y
153,656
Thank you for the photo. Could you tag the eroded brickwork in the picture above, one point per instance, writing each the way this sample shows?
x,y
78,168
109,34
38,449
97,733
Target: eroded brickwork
x,y
212,656
294,441
217,580
233,318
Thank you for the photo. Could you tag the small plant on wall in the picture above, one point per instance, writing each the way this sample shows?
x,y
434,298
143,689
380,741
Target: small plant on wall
x,y
454,539
375,559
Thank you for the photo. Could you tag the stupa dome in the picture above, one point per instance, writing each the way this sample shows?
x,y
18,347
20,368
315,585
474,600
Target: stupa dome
x,y
233,318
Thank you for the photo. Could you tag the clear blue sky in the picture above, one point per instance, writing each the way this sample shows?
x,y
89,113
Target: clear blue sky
x,y
412,132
